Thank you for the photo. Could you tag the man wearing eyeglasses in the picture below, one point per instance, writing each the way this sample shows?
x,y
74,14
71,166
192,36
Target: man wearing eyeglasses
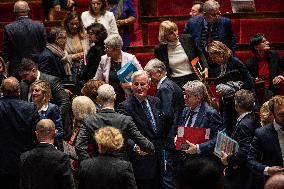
x,y
211,27
266,154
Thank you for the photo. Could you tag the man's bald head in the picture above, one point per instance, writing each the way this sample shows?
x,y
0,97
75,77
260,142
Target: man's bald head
x,y
10,87
275,182
45,130
21,8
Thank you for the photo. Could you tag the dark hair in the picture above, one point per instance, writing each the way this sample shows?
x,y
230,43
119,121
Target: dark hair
x,y
199,3
53,34
199,173
255,40
70,16
245,99
99,30
26,64
103,7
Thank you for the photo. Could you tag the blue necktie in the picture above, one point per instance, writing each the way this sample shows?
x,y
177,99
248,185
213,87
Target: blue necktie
x,y
189,118
150,117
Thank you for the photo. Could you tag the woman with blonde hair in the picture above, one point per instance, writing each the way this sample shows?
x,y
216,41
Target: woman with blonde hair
x,y
176,52
41,95
266,115
116,173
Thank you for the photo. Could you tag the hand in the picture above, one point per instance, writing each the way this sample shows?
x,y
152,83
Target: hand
x,y
224,158
192,148
277,80
57,7
274,169
139,151
175,139
68,92
120,23
78,56
205,73
70,3
126,85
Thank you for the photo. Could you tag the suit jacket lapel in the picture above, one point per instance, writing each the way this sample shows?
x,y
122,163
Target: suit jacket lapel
x,y
275,143
200,116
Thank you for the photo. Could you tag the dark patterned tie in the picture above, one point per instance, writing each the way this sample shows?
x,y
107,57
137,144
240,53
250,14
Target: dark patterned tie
x,y
150,117
189,118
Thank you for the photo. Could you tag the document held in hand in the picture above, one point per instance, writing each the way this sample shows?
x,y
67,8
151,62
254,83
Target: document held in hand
x,y
226,144
192,134
197,68
125,73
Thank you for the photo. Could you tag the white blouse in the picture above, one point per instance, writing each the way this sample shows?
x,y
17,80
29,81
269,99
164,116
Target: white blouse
x,y
108,20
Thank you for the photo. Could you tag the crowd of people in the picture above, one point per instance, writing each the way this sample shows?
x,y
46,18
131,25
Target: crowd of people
x,y
68,121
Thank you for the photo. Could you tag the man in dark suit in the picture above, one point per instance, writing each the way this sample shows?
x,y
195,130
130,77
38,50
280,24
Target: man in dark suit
x,y
17,122
145,112
22,38
172,104
198,113
266,153
108,117
204,29
45,167
29,73
211,27
237,173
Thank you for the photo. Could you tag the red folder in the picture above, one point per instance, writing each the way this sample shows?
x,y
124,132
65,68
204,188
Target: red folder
x,y
192,134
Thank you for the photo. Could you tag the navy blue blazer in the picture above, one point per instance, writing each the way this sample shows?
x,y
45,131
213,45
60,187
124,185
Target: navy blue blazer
x,y
145,167
22,38
195,24
50,64
172,104
207,117
18,120
264,149
53,113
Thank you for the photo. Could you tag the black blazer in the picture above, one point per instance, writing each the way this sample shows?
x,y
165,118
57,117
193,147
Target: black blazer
x,y
45,167
106,172
17,121
243,133
264,149
22,38
108,117
59,97
172,104
145,167
191,50
276,65
93,61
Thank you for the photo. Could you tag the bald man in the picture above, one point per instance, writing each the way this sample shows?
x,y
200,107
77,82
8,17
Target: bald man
x,y
45,167
22,38
17,123
275,182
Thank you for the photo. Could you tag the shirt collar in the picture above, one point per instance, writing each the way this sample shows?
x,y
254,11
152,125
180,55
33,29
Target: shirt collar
x,y
38,75
277,127
196,109
43,108
242,116
160,82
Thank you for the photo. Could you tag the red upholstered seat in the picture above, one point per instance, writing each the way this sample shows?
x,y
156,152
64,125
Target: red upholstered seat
x,y
143,58
7,12
273,28
82,5
37,12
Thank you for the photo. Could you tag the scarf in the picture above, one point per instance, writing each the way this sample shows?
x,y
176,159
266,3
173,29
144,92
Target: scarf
x,y
65,59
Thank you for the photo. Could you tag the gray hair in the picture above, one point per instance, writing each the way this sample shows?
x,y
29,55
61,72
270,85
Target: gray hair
x,y
21,8
106,93
210,5
83,106
10,87
197,88
55,32
45,128
139,73
155,65
114,40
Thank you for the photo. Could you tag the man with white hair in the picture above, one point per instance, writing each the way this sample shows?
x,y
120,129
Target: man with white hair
x,y
108,117
145,111
23,38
